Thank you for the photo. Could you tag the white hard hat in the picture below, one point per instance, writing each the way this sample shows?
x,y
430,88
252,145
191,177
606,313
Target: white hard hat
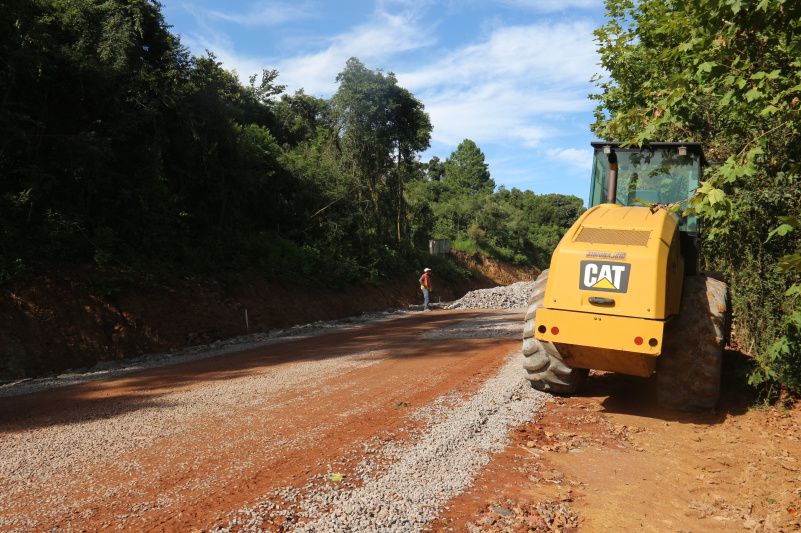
x,y
426,270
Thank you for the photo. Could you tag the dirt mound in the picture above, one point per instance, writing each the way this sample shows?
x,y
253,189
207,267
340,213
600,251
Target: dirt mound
x,y
77,320
493,271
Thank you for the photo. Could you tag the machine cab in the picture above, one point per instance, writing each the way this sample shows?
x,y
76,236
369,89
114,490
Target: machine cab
x,y
659,173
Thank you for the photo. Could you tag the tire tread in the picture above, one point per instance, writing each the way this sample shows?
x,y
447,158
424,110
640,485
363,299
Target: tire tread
x,y
545,369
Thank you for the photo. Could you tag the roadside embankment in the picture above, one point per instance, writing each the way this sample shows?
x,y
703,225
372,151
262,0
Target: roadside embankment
x,y
76,319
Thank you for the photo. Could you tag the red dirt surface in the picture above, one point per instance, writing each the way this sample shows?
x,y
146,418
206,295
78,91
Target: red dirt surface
x,y
612,460
225,457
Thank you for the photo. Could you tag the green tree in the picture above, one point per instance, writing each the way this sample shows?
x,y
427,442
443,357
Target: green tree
x,y
300,116
382,126
120,148
728,74
466,170
435,169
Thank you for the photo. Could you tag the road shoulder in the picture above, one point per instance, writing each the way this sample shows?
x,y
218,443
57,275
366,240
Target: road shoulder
x,y
610,459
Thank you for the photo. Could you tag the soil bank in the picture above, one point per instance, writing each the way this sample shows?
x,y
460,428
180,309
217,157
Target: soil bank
x,y
72,320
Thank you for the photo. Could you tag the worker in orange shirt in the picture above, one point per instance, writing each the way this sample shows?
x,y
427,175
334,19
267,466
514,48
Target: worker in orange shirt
x,y
425,286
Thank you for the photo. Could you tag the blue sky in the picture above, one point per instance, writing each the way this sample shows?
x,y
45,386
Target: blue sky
x,y
513,75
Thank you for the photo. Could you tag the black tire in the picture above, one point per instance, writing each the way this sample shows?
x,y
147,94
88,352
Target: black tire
x,y
688,370
544,367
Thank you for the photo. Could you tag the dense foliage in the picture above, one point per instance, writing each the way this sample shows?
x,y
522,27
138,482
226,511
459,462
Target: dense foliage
x,y
120,148
726,73
457,202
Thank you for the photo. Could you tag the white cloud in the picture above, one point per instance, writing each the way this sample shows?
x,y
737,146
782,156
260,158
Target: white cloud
x,y
577,159
506,87
266,13
547,53
385,36
514,86
550,6
494,114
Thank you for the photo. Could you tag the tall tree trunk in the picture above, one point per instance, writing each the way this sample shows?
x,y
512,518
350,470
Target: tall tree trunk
x,y
399,177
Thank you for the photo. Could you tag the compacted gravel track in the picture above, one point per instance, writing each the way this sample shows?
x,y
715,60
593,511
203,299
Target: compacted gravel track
x,y
376,426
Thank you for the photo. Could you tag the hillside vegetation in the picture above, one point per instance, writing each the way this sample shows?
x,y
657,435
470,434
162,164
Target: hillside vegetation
x,y
120,149
726,73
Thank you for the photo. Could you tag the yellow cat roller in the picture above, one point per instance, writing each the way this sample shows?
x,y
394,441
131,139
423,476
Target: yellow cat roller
x,y
623,292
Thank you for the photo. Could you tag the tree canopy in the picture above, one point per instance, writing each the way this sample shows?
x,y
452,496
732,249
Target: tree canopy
x,y
726,73
121,149
458,201
465,170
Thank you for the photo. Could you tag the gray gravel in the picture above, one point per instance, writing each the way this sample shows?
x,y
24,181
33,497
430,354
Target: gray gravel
x,y
485,327
514,296
396,482
51,457
113,369
402,487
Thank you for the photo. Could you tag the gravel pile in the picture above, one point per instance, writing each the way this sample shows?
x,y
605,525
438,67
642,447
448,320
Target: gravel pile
x,y
514,296
410,483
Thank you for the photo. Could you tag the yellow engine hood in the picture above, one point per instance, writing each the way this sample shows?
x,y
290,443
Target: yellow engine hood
x,y
626,259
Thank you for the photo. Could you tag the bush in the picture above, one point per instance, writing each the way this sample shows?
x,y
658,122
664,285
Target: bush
x,y
779,363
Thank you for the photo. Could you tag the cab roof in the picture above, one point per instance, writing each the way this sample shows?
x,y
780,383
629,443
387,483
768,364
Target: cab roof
x,y
694,147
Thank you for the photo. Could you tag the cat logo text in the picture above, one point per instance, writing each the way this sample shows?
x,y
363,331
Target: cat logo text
x,y
604,276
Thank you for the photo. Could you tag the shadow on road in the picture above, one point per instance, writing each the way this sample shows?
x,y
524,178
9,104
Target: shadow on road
x,y
633,395
106,399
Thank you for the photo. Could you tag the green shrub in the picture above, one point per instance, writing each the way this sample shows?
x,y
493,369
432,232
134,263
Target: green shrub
x,y
779,362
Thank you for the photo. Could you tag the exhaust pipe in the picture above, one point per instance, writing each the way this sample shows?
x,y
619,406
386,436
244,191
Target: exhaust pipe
x,y
611,192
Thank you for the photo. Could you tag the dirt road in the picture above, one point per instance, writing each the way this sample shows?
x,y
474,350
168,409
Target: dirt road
x,y
221,442
416,423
